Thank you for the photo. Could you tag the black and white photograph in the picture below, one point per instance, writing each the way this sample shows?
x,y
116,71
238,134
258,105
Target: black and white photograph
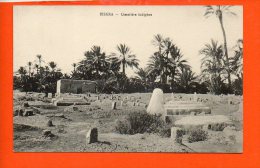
x,y
93,78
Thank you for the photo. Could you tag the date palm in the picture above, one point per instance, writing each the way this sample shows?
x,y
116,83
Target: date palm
x,y
175,63
155,66
218,11
53,66
95,60
30,67
74,67
212,65
22,71
39,59
185,78
124,58
237,60
158,41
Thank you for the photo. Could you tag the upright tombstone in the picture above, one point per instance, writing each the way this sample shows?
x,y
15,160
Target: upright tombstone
x,y
92,136
113,105
49,95
228,102
156,102
195,98
133,103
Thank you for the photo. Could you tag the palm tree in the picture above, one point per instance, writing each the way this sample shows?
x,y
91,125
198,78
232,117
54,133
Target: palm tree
x,y
142,77
30,67
36,66
23,79
124,58
158,42
74,67
186,78
237,60
95,60
212,65
218,11
155,66
167,61
175,63
142,74
22,71
53,66
39,59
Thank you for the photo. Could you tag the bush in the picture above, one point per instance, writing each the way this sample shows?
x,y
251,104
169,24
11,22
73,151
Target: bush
x,y
165,132
218,126
179,135
137,122
197,135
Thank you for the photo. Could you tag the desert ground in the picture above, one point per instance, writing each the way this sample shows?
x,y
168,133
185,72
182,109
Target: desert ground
x,y
70,124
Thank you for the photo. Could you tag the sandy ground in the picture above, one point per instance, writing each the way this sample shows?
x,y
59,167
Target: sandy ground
x,y
70,127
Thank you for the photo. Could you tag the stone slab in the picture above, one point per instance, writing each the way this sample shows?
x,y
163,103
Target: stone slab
x,y
203,120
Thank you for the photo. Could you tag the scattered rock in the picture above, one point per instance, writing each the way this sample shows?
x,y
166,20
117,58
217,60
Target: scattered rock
x,y
92,136
75,108
49,123
25,104
16,112
59,115
20,112
28,112
47,133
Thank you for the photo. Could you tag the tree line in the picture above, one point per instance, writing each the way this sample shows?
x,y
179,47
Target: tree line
x,y
166,68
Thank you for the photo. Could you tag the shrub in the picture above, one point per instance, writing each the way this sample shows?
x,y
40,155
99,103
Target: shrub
x,y
138,122
165,132
197,135
218,126
179,135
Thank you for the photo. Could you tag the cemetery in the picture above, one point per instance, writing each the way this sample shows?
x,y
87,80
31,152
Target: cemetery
x,y
138,122
168,89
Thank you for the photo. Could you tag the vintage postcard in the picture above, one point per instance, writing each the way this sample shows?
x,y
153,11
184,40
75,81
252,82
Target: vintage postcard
x,y
128,78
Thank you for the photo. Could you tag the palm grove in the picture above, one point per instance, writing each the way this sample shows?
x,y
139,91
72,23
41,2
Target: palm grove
x,y
221,73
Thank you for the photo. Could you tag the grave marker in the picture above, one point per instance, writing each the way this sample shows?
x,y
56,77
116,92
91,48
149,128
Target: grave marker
x,y
113,106
49,95
92,136
156,102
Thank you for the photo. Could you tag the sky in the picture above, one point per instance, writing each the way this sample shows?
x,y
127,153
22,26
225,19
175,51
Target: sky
x,y
63,33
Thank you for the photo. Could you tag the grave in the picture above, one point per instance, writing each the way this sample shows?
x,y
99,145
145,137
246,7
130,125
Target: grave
x,y
113,107
49,95
75,86
203,120
67,100
173,108
156,102
92,136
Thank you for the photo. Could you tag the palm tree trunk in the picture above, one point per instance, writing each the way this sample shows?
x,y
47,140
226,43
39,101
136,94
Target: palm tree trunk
x,y
226,52
123,64
173,75
97,73
29,71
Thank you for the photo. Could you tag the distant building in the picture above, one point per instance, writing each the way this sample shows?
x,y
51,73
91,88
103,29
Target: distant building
x,y
75,86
